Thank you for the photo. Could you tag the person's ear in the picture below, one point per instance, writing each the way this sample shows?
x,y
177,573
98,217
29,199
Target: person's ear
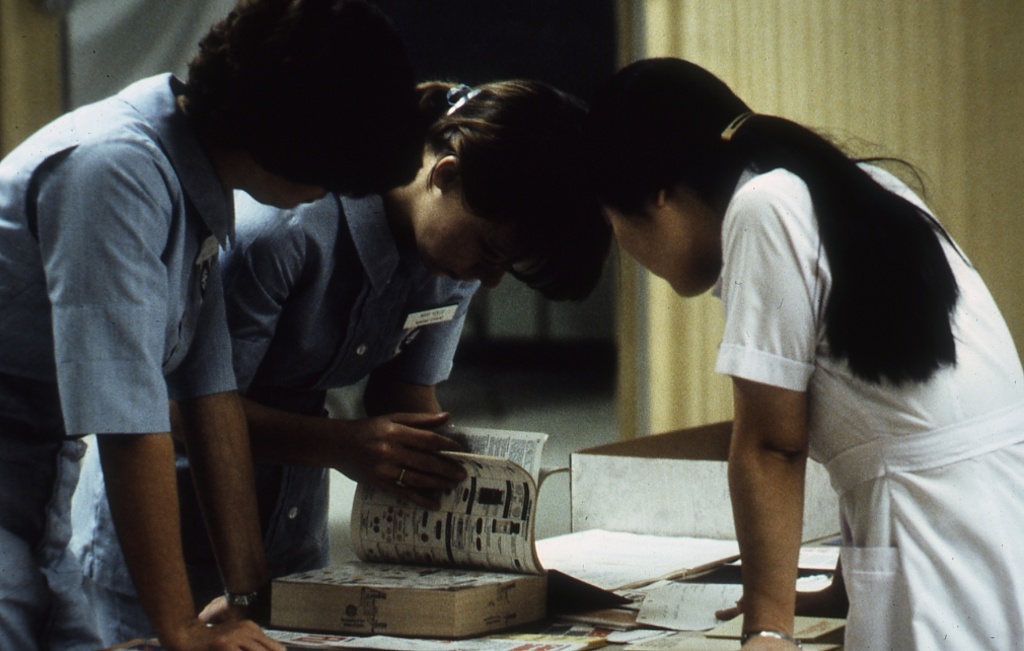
x,y
444,175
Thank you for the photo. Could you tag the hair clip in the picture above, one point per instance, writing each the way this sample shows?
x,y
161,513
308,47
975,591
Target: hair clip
x,y
735,125
459,95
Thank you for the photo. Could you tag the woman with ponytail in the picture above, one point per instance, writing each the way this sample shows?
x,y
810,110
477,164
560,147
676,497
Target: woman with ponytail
x,y
376,287
856,333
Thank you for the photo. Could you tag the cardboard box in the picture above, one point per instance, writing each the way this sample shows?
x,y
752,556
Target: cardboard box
x,y
675,484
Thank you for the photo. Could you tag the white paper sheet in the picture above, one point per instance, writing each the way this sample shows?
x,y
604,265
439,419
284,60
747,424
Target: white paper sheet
x,y
613,559
687,606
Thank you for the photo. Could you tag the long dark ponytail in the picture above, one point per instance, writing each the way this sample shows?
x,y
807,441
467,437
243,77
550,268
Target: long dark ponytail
x,y
659,123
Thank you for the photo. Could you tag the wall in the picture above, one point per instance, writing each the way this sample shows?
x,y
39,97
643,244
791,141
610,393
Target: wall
x,y
112,44
30,70
938,83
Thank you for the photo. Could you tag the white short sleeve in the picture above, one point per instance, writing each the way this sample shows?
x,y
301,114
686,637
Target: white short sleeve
x,y
774,276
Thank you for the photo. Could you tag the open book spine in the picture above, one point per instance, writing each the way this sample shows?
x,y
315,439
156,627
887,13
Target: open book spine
x,y
486,522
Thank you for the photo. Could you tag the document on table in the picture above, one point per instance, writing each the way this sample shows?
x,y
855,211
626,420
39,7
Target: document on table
x,y
323,642
687,606
614,559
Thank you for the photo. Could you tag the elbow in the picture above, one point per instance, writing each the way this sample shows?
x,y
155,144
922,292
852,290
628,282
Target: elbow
x,y
789,454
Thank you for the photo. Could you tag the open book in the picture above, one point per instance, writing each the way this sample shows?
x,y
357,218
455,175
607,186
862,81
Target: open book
x,y
468,568
486,523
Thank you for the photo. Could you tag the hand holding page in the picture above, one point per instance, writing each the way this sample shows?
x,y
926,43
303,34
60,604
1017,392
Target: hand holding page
x,y
469,567
487,522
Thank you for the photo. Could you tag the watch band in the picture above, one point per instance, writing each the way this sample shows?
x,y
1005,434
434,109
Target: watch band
x,y
779,635
242,599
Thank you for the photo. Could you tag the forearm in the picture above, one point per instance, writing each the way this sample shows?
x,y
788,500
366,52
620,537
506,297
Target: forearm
x,y
142,491
397,452
386,395
217,441
281,437
767,461
767,489
287,438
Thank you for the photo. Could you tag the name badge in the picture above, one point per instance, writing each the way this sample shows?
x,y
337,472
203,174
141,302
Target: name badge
x,y
207,252
430,317
209,249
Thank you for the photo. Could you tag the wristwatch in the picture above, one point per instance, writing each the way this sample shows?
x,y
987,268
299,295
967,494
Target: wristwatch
x,y
242,599
778,635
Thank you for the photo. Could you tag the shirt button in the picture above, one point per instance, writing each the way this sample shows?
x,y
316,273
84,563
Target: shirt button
x,y
361,350
293,513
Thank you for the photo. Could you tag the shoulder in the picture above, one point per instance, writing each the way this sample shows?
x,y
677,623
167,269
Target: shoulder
x,y
107,147
279,242
119,160
778,191
772,204
264,226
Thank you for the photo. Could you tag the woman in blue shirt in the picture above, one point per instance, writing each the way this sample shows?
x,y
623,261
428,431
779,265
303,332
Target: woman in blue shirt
x,y
111,301
377,287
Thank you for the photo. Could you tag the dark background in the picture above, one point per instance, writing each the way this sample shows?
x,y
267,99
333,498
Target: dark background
x,y
570,44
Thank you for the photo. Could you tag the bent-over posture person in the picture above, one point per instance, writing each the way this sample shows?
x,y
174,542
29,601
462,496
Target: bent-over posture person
x,y
857,333
377,287
111,302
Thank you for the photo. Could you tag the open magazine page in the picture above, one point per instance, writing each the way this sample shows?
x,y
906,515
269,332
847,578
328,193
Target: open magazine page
x,y
524,448
487,522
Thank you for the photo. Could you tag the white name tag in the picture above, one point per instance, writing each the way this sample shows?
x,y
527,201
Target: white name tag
x,y
430,317
208,250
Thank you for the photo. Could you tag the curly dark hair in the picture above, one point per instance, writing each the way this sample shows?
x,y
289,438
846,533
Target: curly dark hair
x,y
317,91
520,148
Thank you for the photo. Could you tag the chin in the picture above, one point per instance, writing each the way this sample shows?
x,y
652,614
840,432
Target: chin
x,y
690,290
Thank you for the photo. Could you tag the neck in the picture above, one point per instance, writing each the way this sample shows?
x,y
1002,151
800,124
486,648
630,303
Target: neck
x,y
398,208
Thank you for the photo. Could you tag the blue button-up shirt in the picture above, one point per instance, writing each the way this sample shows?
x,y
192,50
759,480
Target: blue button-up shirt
x,y
318,297
110,298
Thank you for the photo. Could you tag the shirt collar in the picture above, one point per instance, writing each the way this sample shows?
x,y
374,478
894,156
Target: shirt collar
x,y
155,99
373,239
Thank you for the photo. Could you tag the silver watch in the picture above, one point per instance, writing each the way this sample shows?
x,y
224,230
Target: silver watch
x,y
241,599
778,635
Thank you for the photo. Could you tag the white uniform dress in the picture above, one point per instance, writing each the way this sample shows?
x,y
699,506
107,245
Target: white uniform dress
x,y
931,475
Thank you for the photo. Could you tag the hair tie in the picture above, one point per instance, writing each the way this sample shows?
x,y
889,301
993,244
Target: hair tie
x,y
735,125
459,95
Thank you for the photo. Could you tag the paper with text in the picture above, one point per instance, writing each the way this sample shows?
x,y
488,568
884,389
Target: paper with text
x,y
486,522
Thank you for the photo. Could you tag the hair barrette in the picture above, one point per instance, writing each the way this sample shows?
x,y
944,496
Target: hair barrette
x,y
459,95
735,125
